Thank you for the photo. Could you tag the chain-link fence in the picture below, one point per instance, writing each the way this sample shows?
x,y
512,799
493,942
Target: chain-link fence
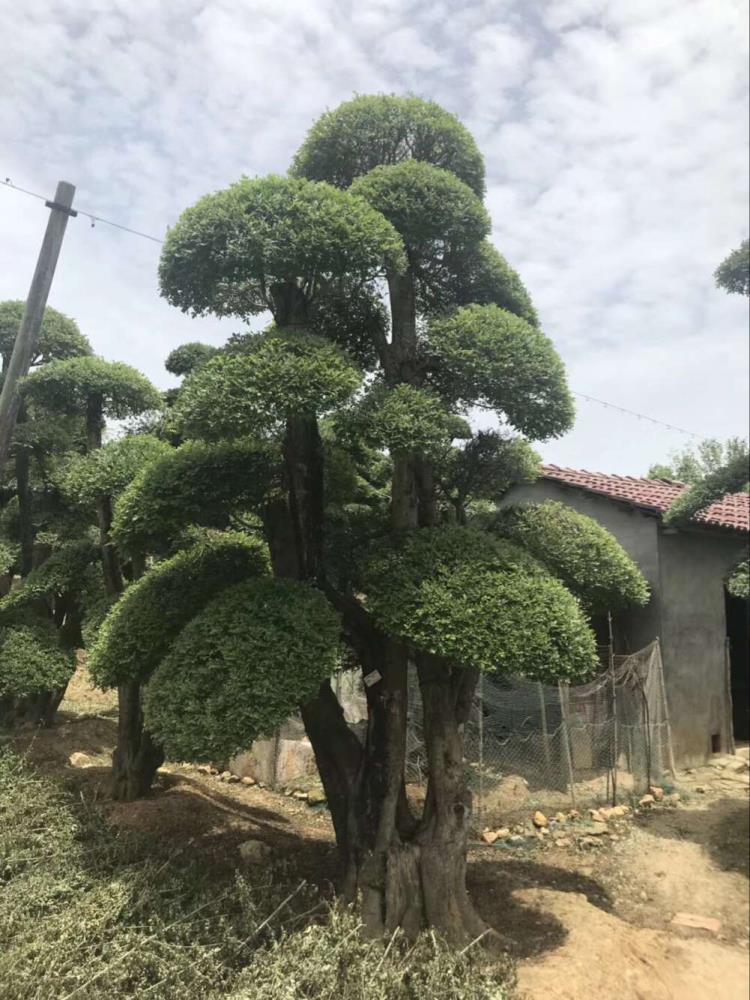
x,y
558,747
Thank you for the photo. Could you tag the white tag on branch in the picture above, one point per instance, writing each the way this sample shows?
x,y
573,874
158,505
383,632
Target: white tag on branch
x,y
372,678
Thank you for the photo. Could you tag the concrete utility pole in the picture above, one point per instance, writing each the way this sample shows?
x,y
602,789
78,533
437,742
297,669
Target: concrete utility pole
x,y
28,332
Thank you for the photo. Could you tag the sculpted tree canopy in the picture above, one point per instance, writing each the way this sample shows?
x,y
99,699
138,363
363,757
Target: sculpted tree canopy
x,y
485,356
483,470
70,386
368,132
59,336
577,550
108,470
426,589
255,652
196,483
270,243
372,257
483,277
263,382
402,419
187,357
44,538
142,626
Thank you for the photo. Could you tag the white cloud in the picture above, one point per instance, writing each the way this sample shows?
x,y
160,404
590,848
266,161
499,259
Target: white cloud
x,y
615,136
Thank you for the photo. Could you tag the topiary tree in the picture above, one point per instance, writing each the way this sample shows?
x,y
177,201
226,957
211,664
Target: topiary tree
x,y
59,336
94,390
362,520
37,524
94,482
36,437
187,357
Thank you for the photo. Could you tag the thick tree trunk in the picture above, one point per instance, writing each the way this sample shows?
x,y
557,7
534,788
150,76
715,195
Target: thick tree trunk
x,y
445,826
136,758
303,460
410,875
340,758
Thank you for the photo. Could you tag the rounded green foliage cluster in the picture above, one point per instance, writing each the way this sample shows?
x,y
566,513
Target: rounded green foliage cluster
x,y
69,386
108,470
62,573
371,130
32,661
271,377
140,628
187,357
738,582
431,209
479,602
59,336
226,252
485,356
402,419
579,551
254,654
482,276
196,483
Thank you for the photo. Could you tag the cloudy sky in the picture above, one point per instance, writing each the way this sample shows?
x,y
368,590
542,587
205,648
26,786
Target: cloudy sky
x,y
615,134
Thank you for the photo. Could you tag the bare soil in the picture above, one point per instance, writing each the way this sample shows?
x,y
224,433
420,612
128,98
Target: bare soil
x,y
583,921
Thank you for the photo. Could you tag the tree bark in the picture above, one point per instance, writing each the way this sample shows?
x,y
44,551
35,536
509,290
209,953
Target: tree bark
x,y
136,758
410,874
443,836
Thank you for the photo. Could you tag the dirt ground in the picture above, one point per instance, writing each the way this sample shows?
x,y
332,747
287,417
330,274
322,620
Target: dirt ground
x,y
584,921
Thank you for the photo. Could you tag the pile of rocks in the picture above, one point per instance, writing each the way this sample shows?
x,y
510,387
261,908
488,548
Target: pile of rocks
x,y
572,829
312,796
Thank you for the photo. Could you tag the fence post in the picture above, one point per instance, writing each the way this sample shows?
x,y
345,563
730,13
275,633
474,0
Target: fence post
x,y
616,748
566,743
545,734
665,708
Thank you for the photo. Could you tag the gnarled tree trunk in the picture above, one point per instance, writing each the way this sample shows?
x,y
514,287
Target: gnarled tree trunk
x,y
410,873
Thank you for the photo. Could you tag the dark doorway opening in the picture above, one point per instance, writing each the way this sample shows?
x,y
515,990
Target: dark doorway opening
x,y
738,633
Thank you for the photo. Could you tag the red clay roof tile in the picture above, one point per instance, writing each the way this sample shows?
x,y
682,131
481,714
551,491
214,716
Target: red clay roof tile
x,y
732,511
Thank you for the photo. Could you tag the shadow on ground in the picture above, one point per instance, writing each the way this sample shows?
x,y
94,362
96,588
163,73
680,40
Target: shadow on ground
x,y
530,931
722,830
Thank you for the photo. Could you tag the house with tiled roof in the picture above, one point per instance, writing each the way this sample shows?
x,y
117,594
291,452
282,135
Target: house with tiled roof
x,y
703,631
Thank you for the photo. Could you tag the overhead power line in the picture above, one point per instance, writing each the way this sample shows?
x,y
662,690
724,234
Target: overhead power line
x,y
155,239
89,215
634,413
